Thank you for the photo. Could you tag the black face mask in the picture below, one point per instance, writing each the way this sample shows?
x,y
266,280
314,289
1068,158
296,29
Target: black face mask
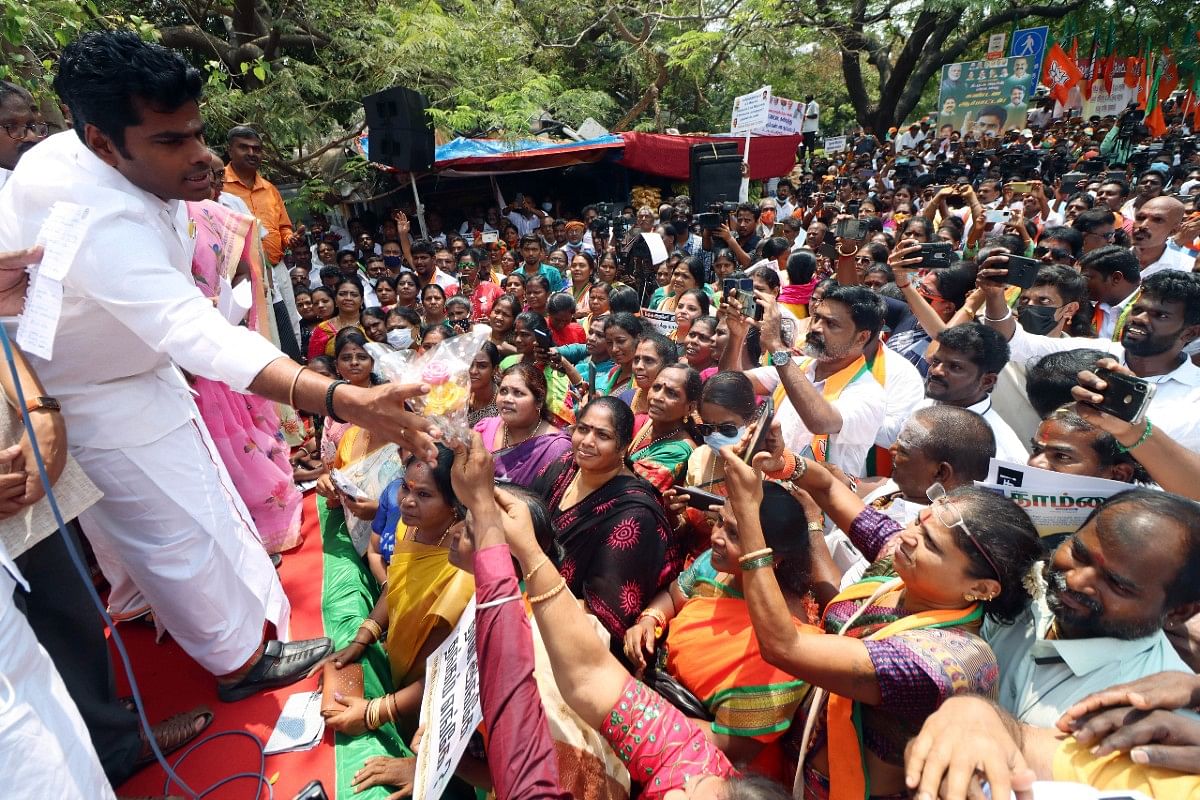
x,y
1038,320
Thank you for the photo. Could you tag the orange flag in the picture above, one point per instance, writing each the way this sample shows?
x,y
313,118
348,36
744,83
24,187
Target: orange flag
x,y
1133,70
1170,76
1060,73
1154,114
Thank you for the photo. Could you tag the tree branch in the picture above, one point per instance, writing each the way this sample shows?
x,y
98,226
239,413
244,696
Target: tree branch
x,y
959,46
338,142
196,40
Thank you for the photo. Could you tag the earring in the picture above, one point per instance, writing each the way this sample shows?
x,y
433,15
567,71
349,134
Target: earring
x,y
970,598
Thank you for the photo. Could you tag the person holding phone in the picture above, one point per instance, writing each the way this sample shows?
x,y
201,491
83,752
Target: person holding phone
x,y
531,337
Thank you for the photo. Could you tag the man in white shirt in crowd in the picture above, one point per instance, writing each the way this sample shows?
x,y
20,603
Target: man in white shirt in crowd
x,y
1113,276
525,215
1163,321
170,533
830,406
1153,226
910,139
21,126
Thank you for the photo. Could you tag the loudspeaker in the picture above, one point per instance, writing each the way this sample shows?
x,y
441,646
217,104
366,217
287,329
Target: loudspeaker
x,y
401,135
715,174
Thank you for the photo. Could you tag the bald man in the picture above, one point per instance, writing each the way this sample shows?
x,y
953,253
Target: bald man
x,y
1154,224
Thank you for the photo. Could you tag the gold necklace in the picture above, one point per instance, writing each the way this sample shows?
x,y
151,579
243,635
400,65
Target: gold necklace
x,y
642,435
415,532
505,443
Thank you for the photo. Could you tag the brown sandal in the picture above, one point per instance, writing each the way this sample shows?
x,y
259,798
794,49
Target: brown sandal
x,y
173,733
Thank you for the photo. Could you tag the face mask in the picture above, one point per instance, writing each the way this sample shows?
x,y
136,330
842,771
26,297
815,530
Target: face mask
x,y
767,217
716,441
392,261
1037,320
400,338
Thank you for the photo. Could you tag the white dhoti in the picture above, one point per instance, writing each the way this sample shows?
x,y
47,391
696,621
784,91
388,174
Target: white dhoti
x,y
45,749
171,533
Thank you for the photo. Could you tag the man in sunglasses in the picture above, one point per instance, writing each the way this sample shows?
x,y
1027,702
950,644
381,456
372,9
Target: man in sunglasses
x,y
1098,226
1059,245
1133,565
21,126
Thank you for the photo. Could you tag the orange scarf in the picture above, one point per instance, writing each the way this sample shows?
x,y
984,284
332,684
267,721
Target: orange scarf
x,y
847,768
835,384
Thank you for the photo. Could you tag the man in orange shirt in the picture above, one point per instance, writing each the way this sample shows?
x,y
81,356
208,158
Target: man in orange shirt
x,y
242,179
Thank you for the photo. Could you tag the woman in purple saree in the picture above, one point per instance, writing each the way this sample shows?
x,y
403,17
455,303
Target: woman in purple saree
x,y
522,439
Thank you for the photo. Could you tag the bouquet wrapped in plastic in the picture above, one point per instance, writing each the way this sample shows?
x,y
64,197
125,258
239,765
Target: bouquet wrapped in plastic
x,y
444,368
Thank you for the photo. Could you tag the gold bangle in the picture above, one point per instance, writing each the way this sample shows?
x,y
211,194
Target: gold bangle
x,y
373,714
373,628
653,613
536,567
766,551
540,598
391,706
292,389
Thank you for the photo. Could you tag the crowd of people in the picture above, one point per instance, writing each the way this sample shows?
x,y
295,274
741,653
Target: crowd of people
x,y
753,557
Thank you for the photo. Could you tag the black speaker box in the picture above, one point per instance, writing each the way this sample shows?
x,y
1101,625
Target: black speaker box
x,y
401,135
715,174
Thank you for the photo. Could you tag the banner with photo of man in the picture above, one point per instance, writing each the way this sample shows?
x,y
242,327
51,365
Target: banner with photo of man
x,y
985,98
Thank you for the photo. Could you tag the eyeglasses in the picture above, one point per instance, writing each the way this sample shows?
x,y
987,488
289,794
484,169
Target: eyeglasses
x,y
947,514
724,429
21,132
1108,236
1056,253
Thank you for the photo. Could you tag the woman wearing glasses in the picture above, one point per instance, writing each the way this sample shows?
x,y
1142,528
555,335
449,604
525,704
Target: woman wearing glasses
x,y
901,640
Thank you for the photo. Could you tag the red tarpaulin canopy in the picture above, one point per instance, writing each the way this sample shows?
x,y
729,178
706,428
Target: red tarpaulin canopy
x,y
667,155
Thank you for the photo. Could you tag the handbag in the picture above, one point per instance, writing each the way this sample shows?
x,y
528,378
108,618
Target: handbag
x,y
347,681
676,694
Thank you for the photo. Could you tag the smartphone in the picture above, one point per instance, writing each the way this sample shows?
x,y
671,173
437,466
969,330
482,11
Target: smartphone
x,y
741,291
1022,271
490,237
830,207
1021,187
998,216
777,230
760,429
852,208
1125,397
851,229
1072,178
543,338
936,254
700,499
313,791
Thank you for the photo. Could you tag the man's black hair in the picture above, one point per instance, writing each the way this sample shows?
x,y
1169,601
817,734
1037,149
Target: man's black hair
x,y
1068,236
8,90
101,74
560,301
993,111
1176,286
242,132
1104,261
753,209
1049,380
983,346
867,309
1092,219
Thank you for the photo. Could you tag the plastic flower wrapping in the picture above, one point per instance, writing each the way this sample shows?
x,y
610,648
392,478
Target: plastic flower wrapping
x,y
444,368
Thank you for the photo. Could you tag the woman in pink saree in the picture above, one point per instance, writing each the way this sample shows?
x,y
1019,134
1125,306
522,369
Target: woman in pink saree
x,y
246,428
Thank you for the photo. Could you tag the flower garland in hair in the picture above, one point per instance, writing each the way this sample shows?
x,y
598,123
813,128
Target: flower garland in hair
x,y
1034,581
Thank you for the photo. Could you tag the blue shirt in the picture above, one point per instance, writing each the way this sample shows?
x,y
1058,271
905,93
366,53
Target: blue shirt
x,y
555,278
386,520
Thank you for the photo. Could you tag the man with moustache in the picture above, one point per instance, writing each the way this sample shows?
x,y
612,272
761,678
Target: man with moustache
x,y
1163,319
1133,566
1153,226
828,404
21,127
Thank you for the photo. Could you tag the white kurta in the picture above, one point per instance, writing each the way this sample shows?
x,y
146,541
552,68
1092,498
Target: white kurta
x,y
167,525
45,749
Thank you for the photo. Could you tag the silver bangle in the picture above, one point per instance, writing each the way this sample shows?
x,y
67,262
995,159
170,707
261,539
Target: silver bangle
x,y
986,318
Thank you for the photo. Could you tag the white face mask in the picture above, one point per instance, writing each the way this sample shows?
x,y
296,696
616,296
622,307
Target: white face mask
x,y
400,338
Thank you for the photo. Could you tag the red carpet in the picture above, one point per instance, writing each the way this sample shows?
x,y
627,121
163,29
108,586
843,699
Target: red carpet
x,y
171,682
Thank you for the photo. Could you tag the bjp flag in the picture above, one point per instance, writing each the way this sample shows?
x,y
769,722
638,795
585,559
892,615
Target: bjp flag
x,y
1134,67
1060,73
1170,75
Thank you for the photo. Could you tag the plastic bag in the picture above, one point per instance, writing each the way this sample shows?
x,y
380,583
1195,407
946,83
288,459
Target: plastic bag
x,y
445,368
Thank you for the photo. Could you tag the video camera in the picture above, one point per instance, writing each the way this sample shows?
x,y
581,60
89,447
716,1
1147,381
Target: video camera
x,y
608,217
716,215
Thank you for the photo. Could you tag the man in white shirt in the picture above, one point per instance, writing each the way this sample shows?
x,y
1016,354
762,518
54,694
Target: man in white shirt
x,y
962,372
525,215
1109,587
810,128
21,126
1164,320
829,405
910,139
1153,226
170,530
1113,276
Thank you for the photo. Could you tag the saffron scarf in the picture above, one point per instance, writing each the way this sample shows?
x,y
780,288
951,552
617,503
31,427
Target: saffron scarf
x,y
835,384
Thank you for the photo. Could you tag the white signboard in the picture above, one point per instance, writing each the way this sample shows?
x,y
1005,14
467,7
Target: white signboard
x,y
835,144
784,117
996,45
450,710
662,321
751,111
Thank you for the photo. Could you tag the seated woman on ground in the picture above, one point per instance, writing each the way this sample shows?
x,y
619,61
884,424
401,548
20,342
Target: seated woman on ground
x,y
619,547
966,555
522,437
587,766
709,644
665,752
423,597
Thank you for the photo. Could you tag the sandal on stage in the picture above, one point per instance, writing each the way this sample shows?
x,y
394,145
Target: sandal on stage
x,y
173,733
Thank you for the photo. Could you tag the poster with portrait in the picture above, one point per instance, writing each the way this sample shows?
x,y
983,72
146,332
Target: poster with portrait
x,y
980,98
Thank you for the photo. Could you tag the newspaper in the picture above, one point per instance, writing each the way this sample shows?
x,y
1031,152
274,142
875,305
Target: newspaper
x,y
1056,502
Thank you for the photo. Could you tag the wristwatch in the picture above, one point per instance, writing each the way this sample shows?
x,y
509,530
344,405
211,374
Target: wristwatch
x,y
781,358
47,403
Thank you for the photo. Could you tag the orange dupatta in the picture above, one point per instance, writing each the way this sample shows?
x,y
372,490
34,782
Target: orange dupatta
x,y
847,768
835,384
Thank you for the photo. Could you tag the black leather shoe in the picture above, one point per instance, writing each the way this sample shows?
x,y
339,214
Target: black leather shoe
x,y
281,664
